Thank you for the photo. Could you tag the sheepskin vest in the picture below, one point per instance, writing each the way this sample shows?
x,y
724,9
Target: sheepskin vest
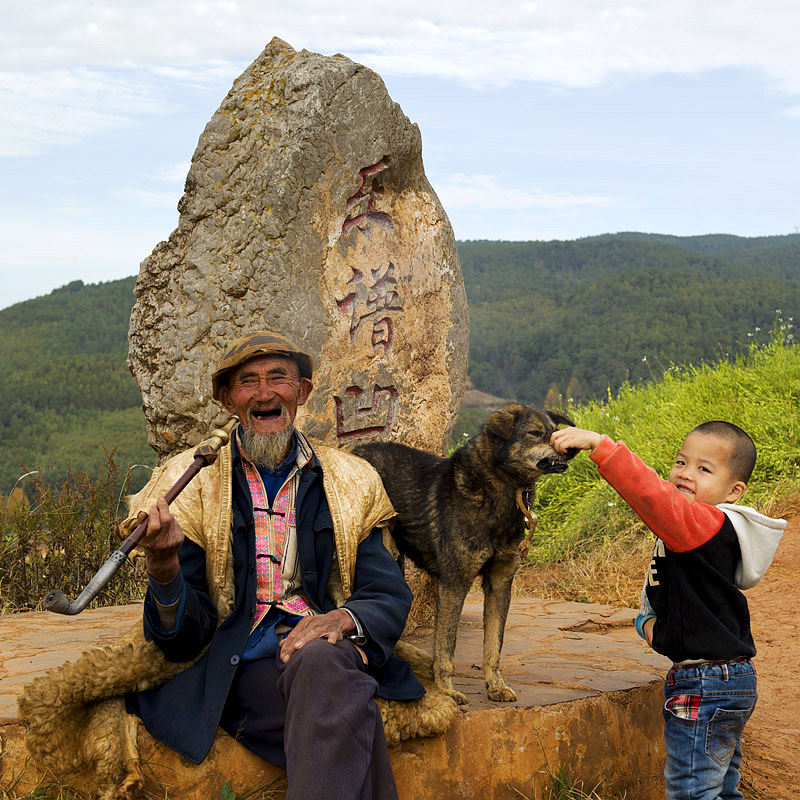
x,y
353,489
75,716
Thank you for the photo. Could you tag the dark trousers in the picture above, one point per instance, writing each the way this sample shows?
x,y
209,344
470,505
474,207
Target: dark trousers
x,y
317,718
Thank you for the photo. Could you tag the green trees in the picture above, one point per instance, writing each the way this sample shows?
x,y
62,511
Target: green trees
x,y
578,318
66,395
550,322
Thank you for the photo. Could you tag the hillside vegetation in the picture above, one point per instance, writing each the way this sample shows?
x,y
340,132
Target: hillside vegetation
x,y
66,396
595,547
759,391
550,321
580,317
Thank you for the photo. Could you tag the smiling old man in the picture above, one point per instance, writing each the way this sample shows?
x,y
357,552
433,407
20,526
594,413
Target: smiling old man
x,y
317,602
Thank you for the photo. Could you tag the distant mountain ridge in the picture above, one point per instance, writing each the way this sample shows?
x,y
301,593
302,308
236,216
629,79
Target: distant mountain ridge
x,y
577,318
548,319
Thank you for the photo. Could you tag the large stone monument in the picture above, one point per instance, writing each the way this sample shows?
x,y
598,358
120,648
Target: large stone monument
x,y
307,210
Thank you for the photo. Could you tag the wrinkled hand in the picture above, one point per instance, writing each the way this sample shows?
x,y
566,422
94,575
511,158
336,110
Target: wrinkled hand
x,y
577,438
331,626
162,541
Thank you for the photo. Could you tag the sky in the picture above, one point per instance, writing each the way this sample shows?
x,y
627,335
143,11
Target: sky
x,y
555,119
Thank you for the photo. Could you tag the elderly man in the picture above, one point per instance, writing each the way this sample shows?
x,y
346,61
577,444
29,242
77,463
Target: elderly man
x,y
271,567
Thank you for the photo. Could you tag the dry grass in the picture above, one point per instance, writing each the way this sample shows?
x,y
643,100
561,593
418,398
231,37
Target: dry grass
x,y
784,504
609,574
561,784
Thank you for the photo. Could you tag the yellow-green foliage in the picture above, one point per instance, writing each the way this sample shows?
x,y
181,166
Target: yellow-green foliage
x,y
759,391
60,536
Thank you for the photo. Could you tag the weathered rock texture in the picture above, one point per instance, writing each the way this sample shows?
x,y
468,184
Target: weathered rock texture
x,y
307,210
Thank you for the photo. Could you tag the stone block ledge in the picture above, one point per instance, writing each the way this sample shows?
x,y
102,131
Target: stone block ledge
x,y
589,696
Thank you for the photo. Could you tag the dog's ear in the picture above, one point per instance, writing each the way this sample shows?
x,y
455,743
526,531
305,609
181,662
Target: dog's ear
x,y
559,418
501,422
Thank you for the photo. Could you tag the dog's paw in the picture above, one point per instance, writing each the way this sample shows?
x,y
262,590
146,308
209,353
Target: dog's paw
x,y
459,697
501,693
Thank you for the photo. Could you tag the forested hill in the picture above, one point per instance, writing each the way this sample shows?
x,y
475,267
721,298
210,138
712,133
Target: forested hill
x,y
66,396
582,316
575,317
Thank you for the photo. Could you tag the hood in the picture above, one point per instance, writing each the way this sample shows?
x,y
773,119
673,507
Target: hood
x,y
758,536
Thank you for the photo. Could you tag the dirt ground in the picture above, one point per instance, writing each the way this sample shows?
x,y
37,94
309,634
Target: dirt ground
x,y
771,746
772,737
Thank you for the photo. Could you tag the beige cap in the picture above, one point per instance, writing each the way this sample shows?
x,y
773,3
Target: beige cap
x,y
259,343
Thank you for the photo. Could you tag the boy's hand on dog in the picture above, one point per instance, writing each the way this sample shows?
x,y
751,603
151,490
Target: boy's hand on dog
x,y
574,438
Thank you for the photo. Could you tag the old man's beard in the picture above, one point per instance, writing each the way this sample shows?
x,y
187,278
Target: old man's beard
x,y
267,449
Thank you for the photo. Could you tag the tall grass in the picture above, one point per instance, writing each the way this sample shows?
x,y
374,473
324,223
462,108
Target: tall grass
x,y
60,535
759,391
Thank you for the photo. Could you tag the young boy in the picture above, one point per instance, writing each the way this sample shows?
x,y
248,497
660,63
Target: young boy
x,y
693,611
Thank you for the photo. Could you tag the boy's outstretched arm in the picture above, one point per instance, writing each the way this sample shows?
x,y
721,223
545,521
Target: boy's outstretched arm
x,y
576,438
681,523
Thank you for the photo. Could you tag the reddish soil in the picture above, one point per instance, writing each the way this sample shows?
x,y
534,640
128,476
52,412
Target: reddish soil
x,y
772,737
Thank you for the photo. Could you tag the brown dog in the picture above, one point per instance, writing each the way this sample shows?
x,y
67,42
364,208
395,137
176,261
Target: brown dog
x,y
460,517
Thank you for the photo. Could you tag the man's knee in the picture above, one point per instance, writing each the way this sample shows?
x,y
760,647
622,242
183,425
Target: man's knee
x,y
323,666
321,655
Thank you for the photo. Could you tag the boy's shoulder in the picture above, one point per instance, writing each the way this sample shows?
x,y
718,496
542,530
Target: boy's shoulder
x,y
759,537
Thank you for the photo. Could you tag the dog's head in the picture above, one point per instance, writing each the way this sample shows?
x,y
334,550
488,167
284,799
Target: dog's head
x,y
519,437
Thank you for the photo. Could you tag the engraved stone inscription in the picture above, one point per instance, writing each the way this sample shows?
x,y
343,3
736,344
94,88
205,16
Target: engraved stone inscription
x,y
363,413
361,213
376,303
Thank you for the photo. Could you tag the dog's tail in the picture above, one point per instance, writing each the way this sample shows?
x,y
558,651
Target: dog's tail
x,y
420,661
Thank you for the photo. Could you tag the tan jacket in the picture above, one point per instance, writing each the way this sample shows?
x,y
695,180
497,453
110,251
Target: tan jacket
x,y
355,494
75,716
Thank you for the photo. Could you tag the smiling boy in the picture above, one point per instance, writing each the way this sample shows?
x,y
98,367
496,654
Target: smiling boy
x,y
693,610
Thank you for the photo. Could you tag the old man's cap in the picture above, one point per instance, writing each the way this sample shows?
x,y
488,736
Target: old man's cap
x,y
259,343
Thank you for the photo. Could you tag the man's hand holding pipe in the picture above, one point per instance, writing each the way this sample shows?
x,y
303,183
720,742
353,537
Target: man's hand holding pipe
x,y
161,542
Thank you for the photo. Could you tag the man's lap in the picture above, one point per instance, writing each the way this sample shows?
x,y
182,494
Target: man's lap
x,y
256,709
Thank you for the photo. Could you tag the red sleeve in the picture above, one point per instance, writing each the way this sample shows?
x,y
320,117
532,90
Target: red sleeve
x,y
680,522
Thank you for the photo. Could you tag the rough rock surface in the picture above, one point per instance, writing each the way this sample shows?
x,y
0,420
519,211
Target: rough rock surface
x,y
307,210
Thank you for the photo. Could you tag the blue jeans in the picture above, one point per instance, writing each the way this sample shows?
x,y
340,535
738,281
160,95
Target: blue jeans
x,y
705,712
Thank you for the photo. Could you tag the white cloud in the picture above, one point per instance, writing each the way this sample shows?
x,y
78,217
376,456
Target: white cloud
x,y
580,43
71,250
149,199
461,191
38,109
76,68
176,173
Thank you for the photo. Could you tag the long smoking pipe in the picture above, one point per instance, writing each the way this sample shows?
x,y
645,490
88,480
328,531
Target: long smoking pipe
x,y
205,455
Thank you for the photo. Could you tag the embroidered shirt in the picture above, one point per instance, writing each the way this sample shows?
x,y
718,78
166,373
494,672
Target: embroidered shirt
x,y
277,565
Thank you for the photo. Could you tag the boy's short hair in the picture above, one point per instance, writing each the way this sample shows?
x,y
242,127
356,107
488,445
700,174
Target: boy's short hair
x,y
743,455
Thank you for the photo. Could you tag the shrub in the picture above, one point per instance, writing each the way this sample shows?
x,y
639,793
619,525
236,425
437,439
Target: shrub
x,y
759,391
60,536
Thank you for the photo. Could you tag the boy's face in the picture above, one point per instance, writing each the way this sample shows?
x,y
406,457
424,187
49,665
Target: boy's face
x,y
702,472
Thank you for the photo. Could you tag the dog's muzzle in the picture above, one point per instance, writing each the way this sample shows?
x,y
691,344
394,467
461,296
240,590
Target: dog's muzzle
x,y
551,465
557,463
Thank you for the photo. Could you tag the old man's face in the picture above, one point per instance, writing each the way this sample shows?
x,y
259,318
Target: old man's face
x,y
265,393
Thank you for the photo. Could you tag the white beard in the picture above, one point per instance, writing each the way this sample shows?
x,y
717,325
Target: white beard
x,y
266,449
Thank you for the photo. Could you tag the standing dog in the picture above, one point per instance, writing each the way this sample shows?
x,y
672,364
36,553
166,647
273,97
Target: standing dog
x,y
463,516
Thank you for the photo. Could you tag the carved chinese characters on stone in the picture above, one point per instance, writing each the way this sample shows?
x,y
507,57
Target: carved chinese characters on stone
x,y
374,303
307,211
360,413
361,213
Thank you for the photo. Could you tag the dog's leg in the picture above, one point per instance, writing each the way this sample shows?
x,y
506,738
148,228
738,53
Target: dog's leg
x,y
497,579
449,602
